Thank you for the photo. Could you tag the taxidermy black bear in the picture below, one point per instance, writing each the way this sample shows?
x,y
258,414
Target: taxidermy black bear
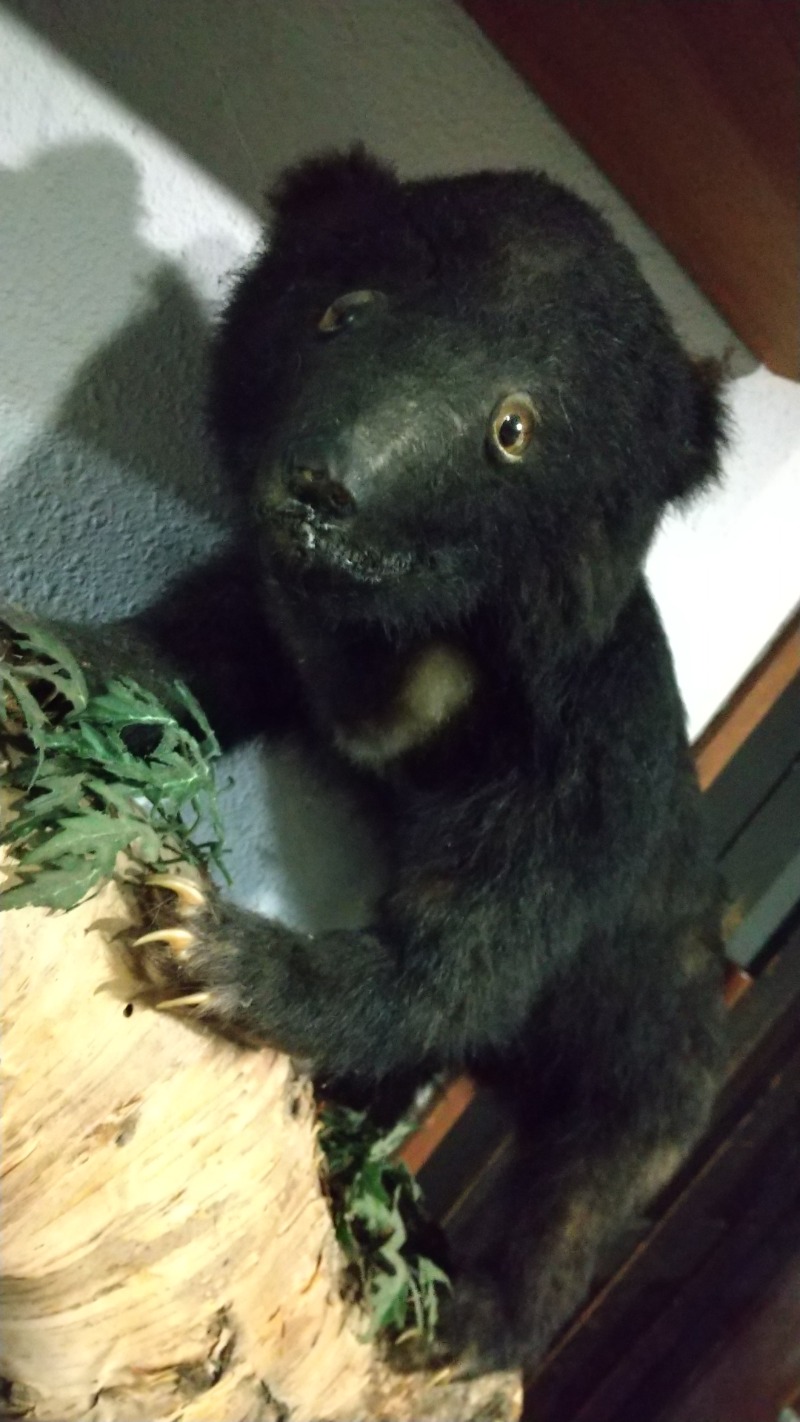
x,y
457,412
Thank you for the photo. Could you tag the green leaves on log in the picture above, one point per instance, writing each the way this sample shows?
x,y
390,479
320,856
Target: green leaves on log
x,y
97,775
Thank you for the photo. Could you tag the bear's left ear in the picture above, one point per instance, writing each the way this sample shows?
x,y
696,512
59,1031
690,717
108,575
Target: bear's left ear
x,y
708,431
332,189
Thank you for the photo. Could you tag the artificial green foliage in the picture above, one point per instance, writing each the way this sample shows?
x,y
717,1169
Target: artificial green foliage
x,y
380,1226
86,794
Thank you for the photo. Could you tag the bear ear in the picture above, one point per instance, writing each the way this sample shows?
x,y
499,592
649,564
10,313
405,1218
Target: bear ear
x,y
700,462
332,188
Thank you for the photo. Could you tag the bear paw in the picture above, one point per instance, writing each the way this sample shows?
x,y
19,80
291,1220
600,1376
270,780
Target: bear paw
x,y
188,958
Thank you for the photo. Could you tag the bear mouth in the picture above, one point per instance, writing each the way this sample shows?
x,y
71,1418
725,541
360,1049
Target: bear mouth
x,y
308,542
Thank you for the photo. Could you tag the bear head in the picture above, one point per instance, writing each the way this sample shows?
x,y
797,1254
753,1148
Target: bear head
x,y
454,393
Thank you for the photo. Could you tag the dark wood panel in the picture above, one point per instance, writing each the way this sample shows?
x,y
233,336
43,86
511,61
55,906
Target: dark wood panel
x,y
722,1233
693,110
755,1371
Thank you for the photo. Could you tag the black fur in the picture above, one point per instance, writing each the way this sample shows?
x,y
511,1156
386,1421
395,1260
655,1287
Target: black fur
x,y
552,923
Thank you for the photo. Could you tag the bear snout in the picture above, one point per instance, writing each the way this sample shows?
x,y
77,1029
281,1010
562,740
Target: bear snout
x,y
320,492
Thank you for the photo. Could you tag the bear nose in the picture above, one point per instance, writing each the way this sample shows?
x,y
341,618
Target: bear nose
x,y
311,481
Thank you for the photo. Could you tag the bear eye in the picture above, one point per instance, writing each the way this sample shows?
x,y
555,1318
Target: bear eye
x,y
344,310
513,423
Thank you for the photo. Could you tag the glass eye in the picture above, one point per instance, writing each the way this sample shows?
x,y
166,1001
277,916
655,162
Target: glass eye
x,y
513,423
344,310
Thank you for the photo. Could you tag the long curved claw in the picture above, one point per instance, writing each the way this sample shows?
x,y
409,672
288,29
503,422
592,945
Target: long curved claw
x,y
189,895
179,939
192,999
444,1375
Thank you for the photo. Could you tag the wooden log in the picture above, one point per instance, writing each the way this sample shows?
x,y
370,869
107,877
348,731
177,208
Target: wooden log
x,y
167,1250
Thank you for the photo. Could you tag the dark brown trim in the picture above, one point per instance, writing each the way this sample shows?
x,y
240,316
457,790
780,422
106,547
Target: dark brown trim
x,y
749,703
446,1110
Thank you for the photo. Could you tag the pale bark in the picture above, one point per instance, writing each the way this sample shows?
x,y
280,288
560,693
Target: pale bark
x,y
167,1252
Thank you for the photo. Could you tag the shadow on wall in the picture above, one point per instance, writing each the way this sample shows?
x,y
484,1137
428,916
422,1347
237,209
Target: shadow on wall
x,y
108,485
109,491
245,87
242,87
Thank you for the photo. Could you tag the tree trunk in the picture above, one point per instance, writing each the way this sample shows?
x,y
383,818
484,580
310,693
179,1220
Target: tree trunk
x,y
167,1250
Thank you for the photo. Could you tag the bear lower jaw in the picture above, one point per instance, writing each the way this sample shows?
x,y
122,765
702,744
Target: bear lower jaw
x,y
311,545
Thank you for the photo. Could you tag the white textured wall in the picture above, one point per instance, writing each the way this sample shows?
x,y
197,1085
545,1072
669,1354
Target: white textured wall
x,y
117,241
